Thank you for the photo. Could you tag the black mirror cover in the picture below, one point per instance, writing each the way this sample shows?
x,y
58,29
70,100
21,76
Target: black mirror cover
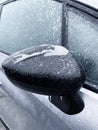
x,y
46,69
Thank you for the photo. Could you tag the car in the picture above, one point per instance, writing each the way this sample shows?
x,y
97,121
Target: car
x,y
62,98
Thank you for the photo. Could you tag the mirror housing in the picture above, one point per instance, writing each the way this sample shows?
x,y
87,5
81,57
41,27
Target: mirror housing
x,y
46,69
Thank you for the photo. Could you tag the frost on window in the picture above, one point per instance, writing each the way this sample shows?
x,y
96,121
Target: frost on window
x,y
83,41
2,127
26,23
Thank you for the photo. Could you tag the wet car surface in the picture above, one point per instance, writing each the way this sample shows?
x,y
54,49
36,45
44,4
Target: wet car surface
x,y
22,110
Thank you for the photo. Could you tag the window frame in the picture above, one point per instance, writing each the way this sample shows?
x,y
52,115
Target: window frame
x,y
4,124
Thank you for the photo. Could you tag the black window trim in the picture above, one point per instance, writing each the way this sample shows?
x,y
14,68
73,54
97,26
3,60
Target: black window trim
x,y
4,124
7,2
81,6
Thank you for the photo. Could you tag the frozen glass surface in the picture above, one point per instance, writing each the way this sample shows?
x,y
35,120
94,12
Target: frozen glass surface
x,y
83,41
25,23
2,127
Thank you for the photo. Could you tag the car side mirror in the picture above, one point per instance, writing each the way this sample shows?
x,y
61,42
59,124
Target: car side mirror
x,y
48,69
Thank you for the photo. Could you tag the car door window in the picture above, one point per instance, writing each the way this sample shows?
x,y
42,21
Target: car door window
x,y
83,41
25,23
3,125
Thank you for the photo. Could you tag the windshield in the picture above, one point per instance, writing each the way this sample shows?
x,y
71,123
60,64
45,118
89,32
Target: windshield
x,y
27,23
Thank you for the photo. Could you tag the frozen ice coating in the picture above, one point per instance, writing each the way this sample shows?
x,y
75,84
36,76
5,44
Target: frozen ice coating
x,y
54,51
58,50
35,22
0,83
83,41
21,57
48,70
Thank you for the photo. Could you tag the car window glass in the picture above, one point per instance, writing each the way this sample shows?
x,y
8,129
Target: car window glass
x,y
25,23
3,126
83,41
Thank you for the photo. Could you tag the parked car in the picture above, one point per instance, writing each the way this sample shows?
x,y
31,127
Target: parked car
x,y
31,24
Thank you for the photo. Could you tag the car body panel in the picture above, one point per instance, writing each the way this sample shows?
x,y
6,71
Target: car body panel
x,y
20,109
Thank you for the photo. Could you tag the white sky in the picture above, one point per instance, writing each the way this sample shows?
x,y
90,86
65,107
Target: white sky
x,y
93,3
